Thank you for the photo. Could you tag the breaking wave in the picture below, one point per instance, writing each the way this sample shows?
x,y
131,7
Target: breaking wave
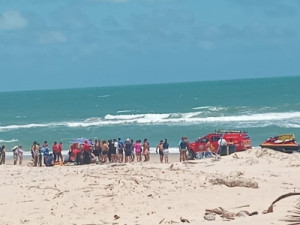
x,y
9,141
283,119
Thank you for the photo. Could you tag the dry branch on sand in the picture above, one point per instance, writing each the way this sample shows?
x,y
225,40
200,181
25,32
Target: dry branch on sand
x,y
232,182
270,209
225,214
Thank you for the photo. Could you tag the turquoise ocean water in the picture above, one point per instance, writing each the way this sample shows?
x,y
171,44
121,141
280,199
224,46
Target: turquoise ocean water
x,y
263,107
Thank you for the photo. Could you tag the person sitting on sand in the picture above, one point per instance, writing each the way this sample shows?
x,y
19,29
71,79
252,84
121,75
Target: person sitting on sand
x,y
93,158
50,160
160,148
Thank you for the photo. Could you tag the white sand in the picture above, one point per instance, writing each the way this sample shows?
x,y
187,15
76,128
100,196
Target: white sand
x,y
152,193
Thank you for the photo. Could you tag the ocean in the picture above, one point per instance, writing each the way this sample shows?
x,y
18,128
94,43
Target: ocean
x,y
263,107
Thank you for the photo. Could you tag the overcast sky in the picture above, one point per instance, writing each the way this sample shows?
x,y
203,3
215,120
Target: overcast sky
x,y
46,44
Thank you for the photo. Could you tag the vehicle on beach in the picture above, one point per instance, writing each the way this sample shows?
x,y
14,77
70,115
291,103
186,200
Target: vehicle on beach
x,y
238,139
284,143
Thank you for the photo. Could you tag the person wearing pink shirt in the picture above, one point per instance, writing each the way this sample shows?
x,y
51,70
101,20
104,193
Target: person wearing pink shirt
x,y
138,150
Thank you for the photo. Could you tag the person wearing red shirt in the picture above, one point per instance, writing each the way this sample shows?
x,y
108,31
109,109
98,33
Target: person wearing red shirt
x,y
54,150
86,152
59,150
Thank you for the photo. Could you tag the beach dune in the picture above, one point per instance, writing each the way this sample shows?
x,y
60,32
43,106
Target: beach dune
x,y
225,190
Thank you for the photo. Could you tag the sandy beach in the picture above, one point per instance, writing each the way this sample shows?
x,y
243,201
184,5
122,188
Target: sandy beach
x,y
154,192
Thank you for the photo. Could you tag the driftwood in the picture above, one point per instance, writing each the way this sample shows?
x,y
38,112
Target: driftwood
x,y
162,221
270,209
231,182
114,165
241,206
227,215
184,220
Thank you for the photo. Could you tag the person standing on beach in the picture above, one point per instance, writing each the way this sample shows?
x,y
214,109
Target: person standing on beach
x,y
97,150
3,155
222,146
146,150
40,158
15,155
132,150
0,155
35,152
54,150
207,149
128,150
21,153
59,152
86,152
120,150
166,150
160,148
116,150
112,150
183,147
138,150
45,151
105,149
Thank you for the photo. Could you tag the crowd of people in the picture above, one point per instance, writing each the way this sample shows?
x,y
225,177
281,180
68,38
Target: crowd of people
x,y
86,151
93,151
114,150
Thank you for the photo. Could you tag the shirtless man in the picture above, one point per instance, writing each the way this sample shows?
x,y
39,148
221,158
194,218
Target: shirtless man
x,y
207,149
160,148
105,149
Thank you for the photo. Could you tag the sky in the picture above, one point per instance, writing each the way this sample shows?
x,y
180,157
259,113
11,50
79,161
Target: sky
x,y
53,44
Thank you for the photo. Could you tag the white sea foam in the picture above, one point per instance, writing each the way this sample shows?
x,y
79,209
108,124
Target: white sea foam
x,y
18,117
284,119
125,111
209,108
123,117
9,141
93,119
